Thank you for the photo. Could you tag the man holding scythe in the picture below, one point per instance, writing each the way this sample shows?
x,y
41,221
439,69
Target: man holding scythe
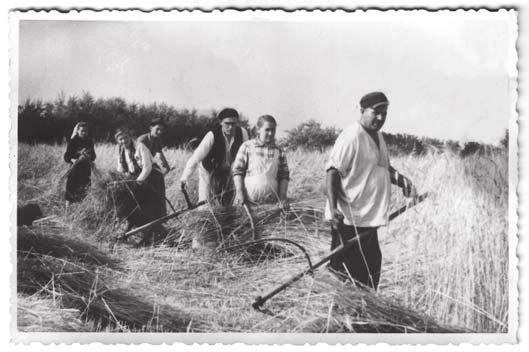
x,y
214,157
359,176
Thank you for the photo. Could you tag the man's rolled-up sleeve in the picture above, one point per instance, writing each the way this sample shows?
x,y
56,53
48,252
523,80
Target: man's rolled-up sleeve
x,y
199,155
341,157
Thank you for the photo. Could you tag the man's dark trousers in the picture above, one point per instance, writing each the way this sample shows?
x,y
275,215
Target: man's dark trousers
x,y
363,260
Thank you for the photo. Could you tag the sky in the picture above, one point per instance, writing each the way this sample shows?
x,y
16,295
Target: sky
x,y
447,75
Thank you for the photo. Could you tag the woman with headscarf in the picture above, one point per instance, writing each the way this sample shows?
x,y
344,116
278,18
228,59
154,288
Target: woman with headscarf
x,y
136,160
80,154
127,163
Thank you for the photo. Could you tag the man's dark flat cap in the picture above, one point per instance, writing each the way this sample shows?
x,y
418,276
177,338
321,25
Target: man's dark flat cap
x,y
373,99
227,112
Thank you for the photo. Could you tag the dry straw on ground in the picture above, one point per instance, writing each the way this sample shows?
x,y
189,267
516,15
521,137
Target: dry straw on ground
x,y
445,263
75,277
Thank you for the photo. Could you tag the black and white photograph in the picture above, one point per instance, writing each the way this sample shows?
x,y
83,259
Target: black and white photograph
x,y
264,176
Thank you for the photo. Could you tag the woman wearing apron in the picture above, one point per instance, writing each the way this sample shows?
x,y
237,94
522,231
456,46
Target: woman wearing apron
x,y
260,170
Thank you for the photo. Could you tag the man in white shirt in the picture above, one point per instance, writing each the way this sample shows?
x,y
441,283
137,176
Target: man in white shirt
x,y
359,176
214,157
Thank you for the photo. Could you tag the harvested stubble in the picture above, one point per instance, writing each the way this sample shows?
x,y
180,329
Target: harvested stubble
x,y
42,270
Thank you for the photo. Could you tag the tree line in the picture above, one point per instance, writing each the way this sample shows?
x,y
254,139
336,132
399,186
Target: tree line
x,y
53,121
311,135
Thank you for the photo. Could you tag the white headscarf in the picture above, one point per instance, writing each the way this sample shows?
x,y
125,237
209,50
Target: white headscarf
x,y
75,130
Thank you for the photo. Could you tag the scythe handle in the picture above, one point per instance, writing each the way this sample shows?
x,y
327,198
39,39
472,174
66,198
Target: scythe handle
x,y
163,219
260,300
186,196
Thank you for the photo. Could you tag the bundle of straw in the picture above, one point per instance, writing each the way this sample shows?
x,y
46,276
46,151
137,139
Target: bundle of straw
x,y
35,314
42,270
111,205
227,227
45,240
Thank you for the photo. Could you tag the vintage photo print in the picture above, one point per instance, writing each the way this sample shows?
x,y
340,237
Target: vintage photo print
x,y
264,176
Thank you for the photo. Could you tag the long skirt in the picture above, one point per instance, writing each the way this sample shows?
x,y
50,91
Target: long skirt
x,y
141,203
222,188
78,182
363,260
152,197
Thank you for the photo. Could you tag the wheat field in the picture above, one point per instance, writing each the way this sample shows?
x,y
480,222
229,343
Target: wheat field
x,y
444,269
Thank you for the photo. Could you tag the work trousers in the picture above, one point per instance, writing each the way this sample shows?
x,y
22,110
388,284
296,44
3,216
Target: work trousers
x,y
222,187
363,260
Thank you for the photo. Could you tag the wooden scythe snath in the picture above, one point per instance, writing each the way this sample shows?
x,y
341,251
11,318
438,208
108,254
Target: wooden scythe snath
x,y
260,300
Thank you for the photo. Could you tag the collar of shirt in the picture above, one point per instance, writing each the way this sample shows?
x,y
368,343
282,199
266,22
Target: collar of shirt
x,y
258,143
228,141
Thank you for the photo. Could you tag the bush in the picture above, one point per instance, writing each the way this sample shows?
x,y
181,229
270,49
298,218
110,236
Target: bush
x,y
310,136
471,148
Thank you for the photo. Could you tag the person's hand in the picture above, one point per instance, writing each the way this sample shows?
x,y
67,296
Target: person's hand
x,y
183,183
284,204
409,190
84,154
240,199
336,218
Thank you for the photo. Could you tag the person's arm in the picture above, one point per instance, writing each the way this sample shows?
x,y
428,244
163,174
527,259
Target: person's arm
x,y
70,150
283,176
239,168
198,155
397,179
339,164
333,185
240,190
146,162
165,164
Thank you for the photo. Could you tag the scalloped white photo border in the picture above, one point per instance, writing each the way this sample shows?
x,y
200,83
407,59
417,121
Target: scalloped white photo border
x,y
257,338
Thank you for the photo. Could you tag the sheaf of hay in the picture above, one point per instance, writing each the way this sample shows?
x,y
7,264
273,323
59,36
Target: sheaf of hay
x,y
46,270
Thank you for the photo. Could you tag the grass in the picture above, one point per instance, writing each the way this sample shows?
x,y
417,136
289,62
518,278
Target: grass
x,y
445,262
